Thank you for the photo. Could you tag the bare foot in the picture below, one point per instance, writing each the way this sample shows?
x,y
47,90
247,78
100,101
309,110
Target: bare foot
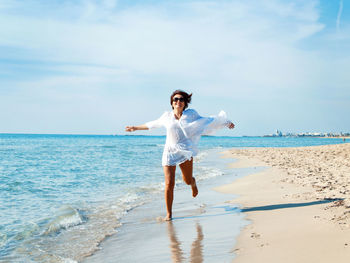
x,y
168,218
194,187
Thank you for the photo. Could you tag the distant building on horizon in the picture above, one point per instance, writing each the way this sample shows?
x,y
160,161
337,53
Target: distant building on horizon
x,y
279,133
307,134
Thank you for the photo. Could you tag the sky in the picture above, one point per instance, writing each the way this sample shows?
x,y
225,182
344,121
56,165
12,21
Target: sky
x,y
94,67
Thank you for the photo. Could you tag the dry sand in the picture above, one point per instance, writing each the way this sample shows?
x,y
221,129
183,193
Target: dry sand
x,y
299,207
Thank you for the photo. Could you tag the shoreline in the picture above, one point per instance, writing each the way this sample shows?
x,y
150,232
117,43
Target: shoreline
x,y
197,233
298,206
92,214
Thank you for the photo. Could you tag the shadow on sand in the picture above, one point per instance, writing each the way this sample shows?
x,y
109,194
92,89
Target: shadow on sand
x,y
280,206
235,209
290,205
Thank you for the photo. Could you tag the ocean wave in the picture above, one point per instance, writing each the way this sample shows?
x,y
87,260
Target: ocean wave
x,y
127,201
67,217
204,173
3,239
75,231
26,231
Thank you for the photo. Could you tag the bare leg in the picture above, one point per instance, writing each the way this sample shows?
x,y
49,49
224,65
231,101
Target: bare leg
x,y
187,171
169,176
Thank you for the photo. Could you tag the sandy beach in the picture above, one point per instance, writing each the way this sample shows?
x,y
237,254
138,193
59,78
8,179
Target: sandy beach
x,y
198,232
271,205
299,206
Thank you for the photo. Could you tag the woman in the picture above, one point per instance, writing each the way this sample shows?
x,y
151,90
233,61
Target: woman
x,y
184,129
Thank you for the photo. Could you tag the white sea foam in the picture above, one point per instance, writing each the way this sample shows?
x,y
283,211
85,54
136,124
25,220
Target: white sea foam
x,y
204,173
67,217
68,260
200,156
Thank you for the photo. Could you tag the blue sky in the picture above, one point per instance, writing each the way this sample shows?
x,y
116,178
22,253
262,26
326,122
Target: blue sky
x,y
93,67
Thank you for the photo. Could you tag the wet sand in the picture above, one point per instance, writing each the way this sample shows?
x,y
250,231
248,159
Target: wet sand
x,y
299,207
204,229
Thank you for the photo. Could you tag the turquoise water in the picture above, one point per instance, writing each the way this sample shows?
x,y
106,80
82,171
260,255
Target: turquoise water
x,y
63,194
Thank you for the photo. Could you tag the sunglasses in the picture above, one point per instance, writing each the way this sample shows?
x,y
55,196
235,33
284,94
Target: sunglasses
x,y
181,99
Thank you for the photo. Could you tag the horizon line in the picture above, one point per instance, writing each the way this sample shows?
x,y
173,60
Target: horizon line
x,y
81,134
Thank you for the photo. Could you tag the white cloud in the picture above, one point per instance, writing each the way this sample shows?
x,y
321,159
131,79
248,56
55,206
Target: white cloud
x,y
340,10
249,48
145,39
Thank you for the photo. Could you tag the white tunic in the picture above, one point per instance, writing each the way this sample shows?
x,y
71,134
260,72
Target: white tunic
x,y
183,135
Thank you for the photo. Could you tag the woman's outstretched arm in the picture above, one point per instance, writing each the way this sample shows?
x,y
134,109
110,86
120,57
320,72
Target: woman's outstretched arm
x,y
136,128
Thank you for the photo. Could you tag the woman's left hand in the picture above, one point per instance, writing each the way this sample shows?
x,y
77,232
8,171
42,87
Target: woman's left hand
x,y
230,125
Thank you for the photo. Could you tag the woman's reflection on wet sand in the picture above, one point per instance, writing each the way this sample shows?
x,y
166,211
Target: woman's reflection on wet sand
x,y
197,247
177,255
176,252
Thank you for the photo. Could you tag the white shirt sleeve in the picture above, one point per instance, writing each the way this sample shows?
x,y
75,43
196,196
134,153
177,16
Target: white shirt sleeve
x,y
220,121
160,122
195,125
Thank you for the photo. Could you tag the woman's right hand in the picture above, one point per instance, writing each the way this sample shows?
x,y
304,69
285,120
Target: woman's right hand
x,y
130,128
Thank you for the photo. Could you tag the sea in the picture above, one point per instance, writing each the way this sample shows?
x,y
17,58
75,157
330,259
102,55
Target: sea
x,y
62,195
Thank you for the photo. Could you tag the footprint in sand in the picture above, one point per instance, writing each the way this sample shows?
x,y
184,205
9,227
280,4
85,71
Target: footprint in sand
x,y
255,235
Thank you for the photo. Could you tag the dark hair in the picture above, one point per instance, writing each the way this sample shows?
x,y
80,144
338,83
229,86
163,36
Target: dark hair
x,y
184,94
